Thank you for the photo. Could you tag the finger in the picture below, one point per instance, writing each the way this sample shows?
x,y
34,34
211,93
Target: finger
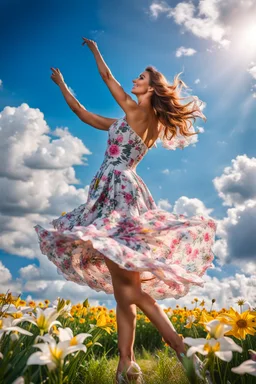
x,y
58,70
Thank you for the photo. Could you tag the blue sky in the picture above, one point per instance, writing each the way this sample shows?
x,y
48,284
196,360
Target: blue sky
x,y
218,64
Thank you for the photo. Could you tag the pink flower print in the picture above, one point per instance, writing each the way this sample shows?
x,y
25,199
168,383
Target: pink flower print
x,y
104,178
128,198
119,138
128,255
114,150
161,290
123,186
207,237
158,224
193,235
188,249
212,224
137,148
195,253
130,142
66,263
123,124
117,172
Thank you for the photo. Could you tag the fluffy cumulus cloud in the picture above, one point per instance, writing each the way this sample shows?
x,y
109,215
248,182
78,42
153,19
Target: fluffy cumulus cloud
x,y
225,291
236,187
37,183
237,183
214,20
36,173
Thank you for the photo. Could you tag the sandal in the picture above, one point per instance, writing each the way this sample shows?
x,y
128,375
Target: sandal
x,y
133,372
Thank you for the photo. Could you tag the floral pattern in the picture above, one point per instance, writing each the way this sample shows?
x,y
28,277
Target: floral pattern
x,y
121,221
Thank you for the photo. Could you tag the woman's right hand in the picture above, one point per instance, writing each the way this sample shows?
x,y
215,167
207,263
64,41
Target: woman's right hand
x,y
57,76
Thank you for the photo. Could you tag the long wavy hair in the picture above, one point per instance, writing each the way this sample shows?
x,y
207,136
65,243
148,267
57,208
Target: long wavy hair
x,y
170,111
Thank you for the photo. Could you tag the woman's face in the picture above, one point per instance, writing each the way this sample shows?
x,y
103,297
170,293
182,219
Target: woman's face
x,y
141,84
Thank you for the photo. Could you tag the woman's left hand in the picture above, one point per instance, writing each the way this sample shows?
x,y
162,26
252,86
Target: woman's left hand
x,y
90,43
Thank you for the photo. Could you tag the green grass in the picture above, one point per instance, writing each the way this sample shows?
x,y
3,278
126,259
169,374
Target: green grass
x,y
158,368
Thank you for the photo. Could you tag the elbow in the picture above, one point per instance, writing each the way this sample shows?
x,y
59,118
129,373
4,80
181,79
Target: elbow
x,y
106,75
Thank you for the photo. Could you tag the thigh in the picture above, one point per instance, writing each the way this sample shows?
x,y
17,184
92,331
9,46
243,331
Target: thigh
x,y
123,277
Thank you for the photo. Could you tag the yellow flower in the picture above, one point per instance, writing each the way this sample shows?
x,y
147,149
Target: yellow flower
x,y
63,213
144,230
103,323
242,323
81,321
96,183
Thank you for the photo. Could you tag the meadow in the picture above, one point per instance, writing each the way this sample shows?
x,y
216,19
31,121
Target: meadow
x,y
57,342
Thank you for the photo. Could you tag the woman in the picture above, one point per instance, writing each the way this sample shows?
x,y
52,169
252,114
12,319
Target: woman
x,y
119,241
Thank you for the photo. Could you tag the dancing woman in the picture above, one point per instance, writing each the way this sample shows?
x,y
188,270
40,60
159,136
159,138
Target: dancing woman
x,y
119,241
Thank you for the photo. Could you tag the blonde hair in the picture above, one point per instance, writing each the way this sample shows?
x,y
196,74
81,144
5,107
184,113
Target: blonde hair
x,y
166,103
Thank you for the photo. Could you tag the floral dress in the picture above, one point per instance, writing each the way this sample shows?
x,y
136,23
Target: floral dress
x,y
121,221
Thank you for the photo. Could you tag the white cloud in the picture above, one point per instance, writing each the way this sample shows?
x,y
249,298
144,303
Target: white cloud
x,y
5,274
237,183
29,271
226,291
213,20
157,8
166,171
164,204
182,51
238,242
191,207
35,176
197,81
252,71
236,186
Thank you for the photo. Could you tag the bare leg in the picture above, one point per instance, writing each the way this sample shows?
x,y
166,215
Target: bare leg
x,y
161,321
126,286
126,324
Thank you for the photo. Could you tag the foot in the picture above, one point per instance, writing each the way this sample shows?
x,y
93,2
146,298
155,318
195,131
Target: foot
x,y
133,372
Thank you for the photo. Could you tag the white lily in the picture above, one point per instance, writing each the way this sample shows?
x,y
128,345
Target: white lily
x,y
248,366
44,319
217,329
62,307
53,354
221,347
8,324
66,334
11,308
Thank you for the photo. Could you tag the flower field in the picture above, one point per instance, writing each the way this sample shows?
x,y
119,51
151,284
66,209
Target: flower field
x,y
56,343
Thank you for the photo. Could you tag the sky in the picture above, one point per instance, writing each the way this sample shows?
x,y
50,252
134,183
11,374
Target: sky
x,y
48,156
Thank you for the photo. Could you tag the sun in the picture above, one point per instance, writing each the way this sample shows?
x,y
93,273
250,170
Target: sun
x,y
249,36
244,42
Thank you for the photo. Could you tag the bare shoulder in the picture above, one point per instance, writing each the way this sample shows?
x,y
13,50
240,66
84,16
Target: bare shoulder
x,y
145,124
137,117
